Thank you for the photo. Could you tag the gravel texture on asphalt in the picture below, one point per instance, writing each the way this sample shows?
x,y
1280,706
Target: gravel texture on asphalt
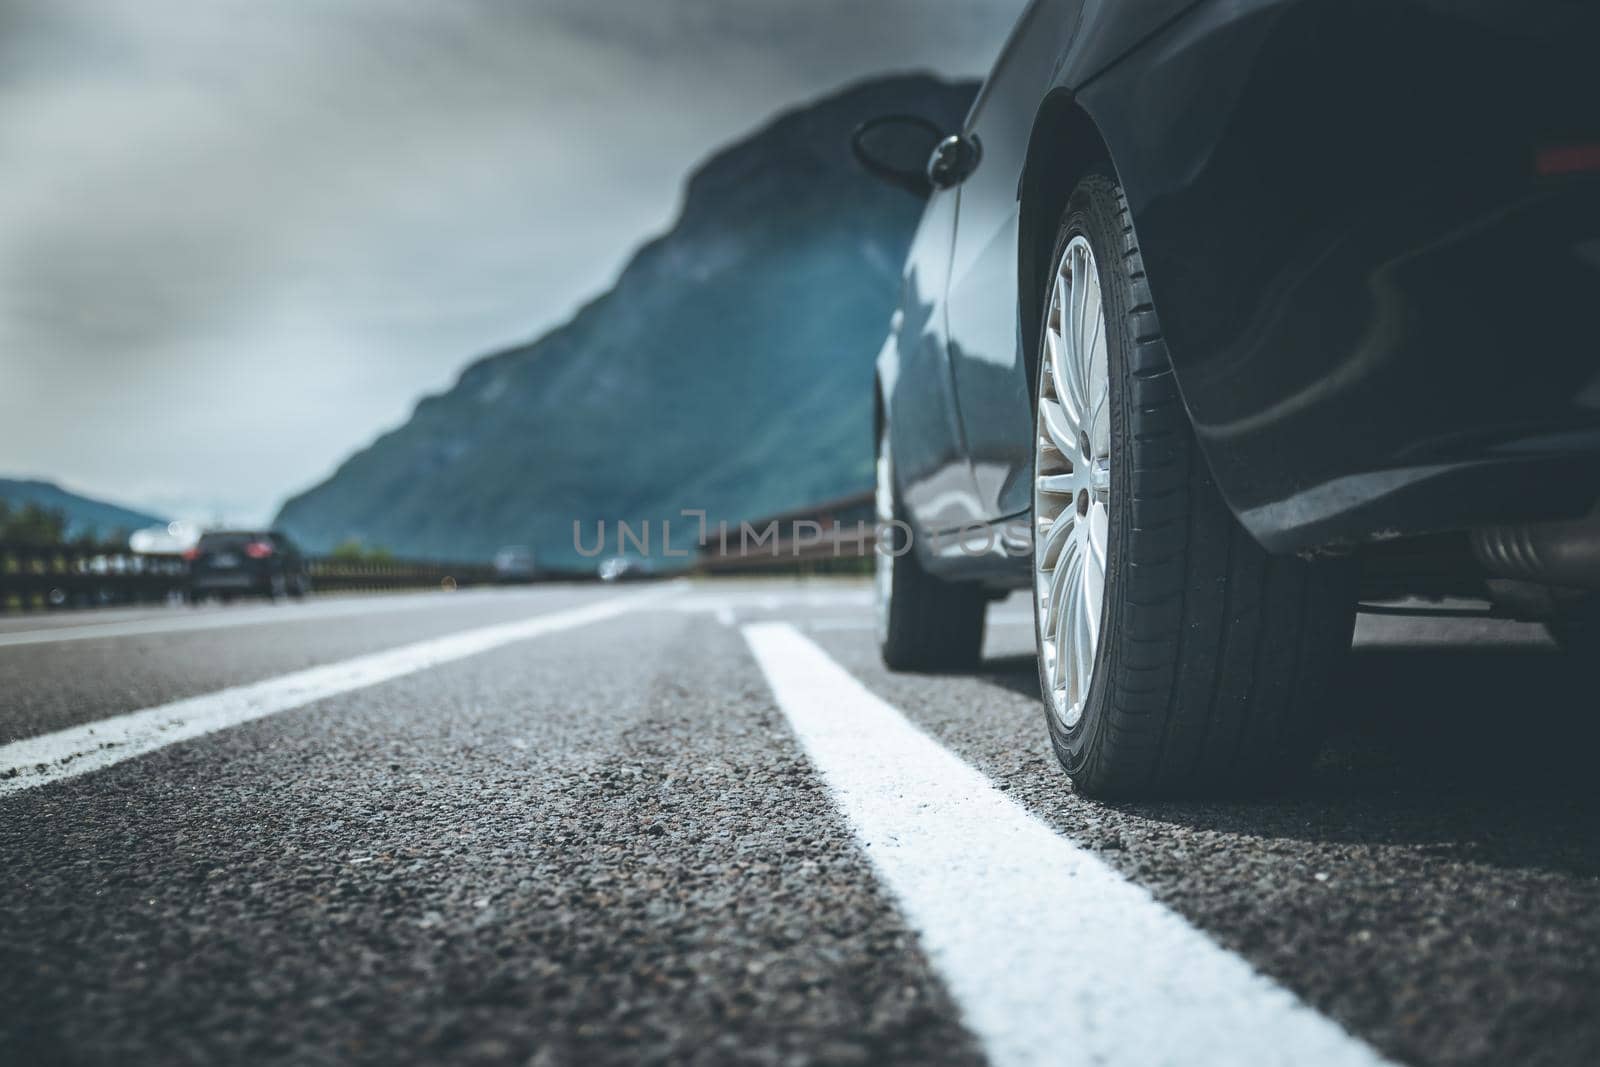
x,y
1433,884
602,846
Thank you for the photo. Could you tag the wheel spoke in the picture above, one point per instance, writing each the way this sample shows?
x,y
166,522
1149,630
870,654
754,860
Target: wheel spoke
x,y
1080,306
1076,392
1095,567
1058,484
1059,425
1057,362
1082,638
1059,577
1063,302
1063,593
1055,537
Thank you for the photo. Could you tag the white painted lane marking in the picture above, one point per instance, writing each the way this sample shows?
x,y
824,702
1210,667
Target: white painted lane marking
x,y
184,620
997,618
822,625
35,761
1052,956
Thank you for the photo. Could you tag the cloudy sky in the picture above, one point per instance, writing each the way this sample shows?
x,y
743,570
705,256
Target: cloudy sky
x,y
239,239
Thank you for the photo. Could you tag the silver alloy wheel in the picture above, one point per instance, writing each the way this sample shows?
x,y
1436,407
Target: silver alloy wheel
x,y
1072,482
882,562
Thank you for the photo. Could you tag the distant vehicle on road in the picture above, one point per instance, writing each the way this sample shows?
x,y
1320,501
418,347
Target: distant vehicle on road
x,y
514,563
621,569
230,563
1222,317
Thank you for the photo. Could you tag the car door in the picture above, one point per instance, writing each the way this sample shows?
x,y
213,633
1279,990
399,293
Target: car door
x,y
930,458
992,390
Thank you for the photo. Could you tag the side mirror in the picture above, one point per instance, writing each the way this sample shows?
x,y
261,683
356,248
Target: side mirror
x,y
953,161
897,149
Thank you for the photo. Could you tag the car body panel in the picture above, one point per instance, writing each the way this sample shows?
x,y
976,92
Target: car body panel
x,y
931,464
992,385
1374,307
1376,310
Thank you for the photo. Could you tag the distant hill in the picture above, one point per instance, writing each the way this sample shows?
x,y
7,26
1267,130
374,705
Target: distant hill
x,y
86,517
729,368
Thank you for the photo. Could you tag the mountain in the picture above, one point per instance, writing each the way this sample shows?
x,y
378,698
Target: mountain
x,y
85,517
729,368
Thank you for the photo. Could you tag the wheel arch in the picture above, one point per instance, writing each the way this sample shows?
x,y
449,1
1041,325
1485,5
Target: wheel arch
x,y
1063,146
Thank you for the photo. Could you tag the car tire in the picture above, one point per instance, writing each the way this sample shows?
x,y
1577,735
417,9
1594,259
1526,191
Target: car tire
x,y
1212,658
924,623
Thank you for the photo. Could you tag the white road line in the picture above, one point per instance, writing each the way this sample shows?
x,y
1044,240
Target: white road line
x,y
821,625
183,620
1053,956
35,761
1009,619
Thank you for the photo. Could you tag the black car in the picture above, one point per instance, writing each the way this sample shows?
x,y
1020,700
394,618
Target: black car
x,y
1222,317
230,563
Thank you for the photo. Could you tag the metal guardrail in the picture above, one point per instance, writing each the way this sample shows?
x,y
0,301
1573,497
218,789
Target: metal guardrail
x,y
41,578
60,576
834,537
339,575
844,550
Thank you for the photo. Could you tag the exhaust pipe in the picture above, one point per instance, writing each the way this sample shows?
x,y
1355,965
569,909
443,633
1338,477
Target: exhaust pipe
x,y
1551,553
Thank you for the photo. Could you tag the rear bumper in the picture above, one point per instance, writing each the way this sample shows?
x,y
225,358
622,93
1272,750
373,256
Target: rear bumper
x,y
228,581
1381,316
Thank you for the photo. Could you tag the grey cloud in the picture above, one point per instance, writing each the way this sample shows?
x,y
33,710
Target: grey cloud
x,y
265,229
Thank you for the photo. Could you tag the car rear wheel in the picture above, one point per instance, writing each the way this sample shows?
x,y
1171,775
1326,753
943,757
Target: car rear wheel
x,y
1175,655
924,623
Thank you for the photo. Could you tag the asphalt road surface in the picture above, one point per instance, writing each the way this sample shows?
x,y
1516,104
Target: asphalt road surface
x,y
701,824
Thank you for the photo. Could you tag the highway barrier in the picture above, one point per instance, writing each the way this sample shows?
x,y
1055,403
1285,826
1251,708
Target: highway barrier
x,y
41,578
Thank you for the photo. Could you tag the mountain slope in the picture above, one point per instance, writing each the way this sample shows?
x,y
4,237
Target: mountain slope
x,y
85,516
729,368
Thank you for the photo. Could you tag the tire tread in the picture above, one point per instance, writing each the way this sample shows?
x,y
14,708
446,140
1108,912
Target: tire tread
x,y
1216,654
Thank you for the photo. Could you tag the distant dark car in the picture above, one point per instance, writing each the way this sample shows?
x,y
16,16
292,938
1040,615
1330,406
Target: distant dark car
x,y
230,563
513,564
1222,316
